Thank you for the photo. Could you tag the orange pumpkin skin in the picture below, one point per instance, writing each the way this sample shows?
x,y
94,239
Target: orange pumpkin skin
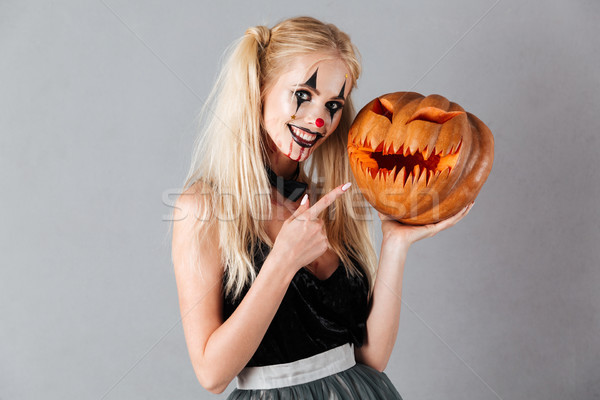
x,y
419,159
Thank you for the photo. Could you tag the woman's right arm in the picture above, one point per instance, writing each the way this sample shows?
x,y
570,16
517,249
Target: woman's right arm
x,y
219,349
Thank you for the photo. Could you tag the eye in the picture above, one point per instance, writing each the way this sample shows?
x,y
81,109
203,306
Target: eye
x,y
302,95
334,105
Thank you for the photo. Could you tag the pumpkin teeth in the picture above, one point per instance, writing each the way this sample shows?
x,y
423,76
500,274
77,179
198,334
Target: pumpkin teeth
x,y
384,149
374,146
444,174
400,150
427,164
433,178
428,177
452,150
426,153
433,151
422,178
392,173
400,176
390,149
457,147
415,173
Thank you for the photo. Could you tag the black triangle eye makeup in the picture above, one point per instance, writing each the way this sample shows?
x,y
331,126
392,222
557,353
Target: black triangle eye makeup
x,y
341,95
312,81
302,96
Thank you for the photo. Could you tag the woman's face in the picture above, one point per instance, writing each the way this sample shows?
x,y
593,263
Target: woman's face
x,y
304,106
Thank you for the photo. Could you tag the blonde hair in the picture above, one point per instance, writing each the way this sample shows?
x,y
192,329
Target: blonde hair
x,y
229,157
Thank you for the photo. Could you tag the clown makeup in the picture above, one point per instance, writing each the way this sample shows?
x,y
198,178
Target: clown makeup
x,y
304,106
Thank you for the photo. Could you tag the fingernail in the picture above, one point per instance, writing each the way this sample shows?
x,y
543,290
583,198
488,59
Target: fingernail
x,y
304,199
346,186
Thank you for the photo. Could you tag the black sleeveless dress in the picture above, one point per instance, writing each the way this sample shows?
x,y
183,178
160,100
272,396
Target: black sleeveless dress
x,y
315,316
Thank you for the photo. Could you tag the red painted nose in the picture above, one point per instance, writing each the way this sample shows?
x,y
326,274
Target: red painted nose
x,y
319,122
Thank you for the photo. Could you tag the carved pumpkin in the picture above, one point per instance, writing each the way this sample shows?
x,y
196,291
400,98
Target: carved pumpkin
x,y
419,159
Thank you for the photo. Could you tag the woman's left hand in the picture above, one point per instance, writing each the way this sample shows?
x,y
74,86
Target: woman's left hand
x,y
408,234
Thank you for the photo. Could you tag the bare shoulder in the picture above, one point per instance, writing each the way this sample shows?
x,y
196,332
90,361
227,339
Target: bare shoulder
x,y
193,203
195,233
198,268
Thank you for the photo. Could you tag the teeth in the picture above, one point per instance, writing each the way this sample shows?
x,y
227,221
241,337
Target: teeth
x,y
303,135
426,153
447,150
416,172
400,175
390,149
432,177
455,149
423,178
430,152
392,173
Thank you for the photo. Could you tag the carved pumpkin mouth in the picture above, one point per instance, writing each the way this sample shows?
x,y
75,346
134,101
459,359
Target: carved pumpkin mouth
x,y
405,163
399,162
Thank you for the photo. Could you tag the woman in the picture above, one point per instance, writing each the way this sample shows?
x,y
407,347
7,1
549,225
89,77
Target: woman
x,y
273,290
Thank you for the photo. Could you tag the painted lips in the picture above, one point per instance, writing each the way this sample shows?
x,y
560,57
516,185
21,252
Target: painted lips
x,y
303,136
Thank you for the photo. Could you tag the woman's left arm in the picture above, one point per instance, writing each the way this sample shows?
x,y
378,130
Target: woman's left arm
x,y
384,315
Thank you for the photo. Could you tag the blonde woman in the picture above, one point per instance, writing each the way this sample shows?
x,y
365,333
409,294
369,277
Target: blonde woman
x,y
278,281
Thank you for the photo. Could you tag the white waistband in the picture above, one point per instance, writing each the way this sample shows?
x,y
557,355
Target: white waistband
x,y
305,370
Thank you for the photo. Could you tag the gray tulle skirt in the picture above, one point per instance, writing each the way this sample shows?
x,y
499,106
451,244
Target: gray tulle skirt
x,y
359,382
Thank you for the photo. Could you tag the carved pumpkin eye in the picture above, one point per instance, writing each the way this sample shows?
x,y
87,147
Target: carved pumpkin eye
x,y
419,159
381,109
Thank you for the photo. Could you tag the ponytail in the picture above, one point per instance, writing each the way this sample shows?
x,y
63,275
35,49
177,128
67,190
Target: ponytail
x,y
261,34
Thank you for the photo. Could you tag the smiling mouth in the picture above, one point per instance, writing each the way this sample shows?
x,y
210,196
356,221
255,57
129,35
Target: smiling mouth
x,y
303,136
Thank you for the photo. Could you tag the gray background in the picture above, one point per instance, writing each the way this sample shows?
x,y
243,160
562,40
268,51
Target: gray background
x,y
97,117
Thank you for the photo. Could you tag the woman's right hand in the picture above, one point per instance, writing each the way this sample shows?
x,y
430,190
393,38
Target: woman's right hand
x,y
302,237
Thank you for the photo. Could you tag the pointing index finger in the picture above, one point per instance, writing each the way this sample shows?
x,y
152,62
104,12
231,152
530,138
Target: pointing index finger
x,y
326,201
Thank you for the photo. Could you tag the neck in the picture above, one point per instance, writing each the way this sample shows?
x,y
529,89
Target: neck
x,y
282,165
